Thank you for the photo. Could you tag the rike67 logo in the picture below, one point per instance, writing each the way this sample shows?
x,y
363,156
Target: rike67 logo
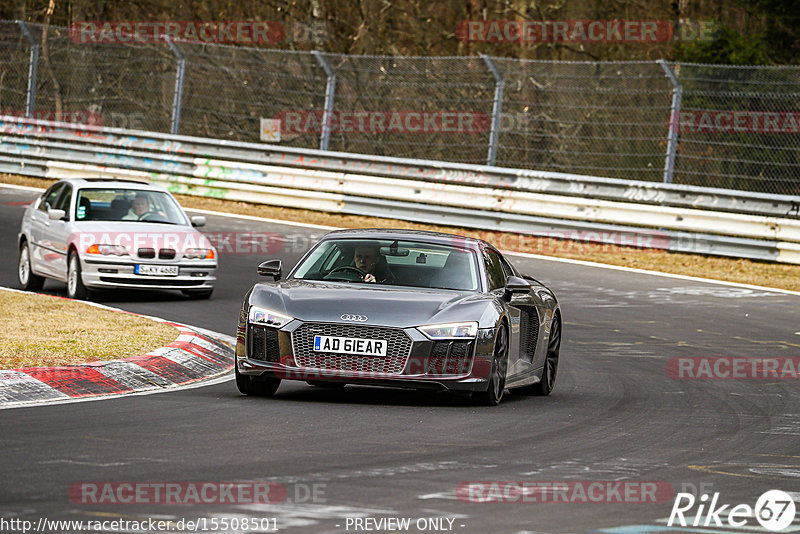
x,y
774,511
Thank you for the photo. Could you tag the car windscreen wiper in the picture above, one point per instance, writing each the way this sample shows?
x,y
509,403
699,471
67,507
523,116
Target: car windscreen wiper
x,y
158,222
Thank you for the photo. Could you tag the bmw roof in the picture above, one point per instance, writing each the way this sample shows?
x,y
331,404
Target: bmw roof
x,y
124,183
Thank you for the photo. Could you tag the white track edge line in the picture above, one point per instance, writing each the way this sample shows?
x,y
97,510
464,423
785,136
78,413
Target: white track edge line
x,y
21,187
521,254
653,273
264,219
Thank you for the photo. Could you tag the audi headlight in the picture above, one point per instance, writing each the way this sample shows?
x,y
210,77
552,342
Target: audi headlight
x,y
450,330
268,317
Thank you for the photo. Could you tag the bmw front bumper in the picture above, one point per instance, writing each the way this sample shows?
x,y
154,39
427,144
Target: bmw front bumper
x,y
119,272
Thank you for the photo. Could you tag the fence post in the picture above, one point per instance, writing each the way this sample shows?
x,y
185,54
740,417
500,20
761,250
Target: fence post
x,y
33,69
497,109
177,98
674,121
330,90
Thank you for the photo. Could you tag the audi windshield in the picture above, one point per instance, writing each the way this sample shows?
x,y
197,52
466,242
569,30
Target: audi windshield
x,y
391,262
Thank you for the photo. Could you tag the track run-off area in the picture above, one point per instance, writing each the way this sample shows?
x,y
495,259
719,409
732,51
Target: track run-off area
x,y
642,411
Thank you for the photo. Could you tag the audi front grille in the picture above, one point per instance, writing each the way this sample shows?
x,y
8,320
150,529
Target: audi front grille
x,y
398,349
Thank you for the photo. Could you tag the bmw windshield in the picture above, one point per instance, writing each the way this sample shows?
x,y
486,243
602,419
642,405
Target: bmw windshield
x,y
391,262
128,205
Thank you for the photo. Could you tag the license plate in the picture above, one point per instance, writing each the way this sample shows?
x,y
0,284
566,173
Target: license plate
x,y
350,345
156,270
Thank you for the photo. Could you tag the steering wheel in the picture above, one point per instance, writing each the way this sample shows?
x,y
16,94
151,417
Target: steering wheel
x,y
145,215
350,268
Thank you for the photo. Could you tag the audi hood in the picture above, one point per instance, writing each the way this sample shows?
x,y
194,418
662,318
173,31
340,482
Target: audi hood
x,y
395,306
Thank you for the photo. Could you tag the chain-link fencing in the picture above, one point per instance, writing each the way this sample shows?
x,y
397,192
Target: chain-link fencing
x,y
740,128
717,126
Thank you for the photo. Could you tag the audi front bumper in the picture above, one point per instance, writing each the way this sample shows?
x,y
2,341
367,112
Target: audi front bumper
x,y
413,360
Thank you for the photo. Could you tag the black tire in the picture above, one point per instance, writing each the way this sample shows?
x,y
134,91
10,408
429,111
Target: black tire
x,y
27,280
251,385
326,384
75,288
545,386
198,294
497,376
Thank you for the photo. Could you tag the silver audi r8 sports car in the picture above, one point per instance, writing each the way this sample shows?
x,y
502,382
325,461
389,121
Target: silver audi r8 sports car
x,y
400,308
97,233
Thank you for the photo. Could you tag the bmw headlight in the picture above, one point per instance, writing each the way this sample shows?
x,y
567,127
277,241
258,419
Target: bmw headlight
x,y
199,254
107,250
450,330
268,317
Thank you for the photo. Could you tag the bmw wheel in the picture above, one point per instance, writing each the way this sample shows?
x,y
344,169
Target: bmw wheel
x,y
75,288
28,280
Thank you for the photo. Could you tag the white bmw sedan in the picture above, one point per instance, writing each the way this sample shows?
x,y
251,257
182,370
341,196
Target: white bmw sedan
x,y
100,233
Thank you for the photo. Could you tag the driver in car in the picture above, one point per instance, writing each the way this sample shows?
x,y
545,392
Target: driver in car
x,y
139,208
370,260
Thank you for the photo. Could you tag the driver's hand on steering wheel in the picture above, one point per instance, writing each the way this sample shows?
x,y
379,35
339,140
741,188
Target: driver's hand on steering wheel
x,y
369,277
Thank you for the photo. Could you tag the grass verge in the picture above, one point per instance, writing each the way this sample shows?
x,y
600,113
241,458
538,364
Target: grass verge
x,y
44,331
776,275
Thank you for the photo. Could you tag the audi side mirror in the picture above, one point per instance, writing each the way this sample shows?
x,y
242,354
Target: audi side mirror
x,y
272,268
515,284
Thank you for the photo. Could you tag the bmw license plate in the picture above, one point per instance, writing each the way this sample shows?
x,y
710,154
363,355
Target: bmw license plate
x,y
350,345
156,270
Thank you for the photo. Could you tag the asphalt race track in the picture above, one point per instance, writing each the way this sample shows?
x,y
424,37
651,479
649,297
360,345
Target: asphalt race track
x,y
615,415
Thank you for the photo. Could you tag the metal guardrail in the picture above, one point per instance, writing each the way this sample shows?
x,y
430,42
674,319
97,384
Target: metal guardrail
x,y
729,223
643,192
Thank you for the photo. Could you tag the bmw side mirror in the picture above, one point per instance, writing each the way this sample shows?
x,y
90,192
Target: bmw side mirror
x,y
198,220
271,268
56,215
515,284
